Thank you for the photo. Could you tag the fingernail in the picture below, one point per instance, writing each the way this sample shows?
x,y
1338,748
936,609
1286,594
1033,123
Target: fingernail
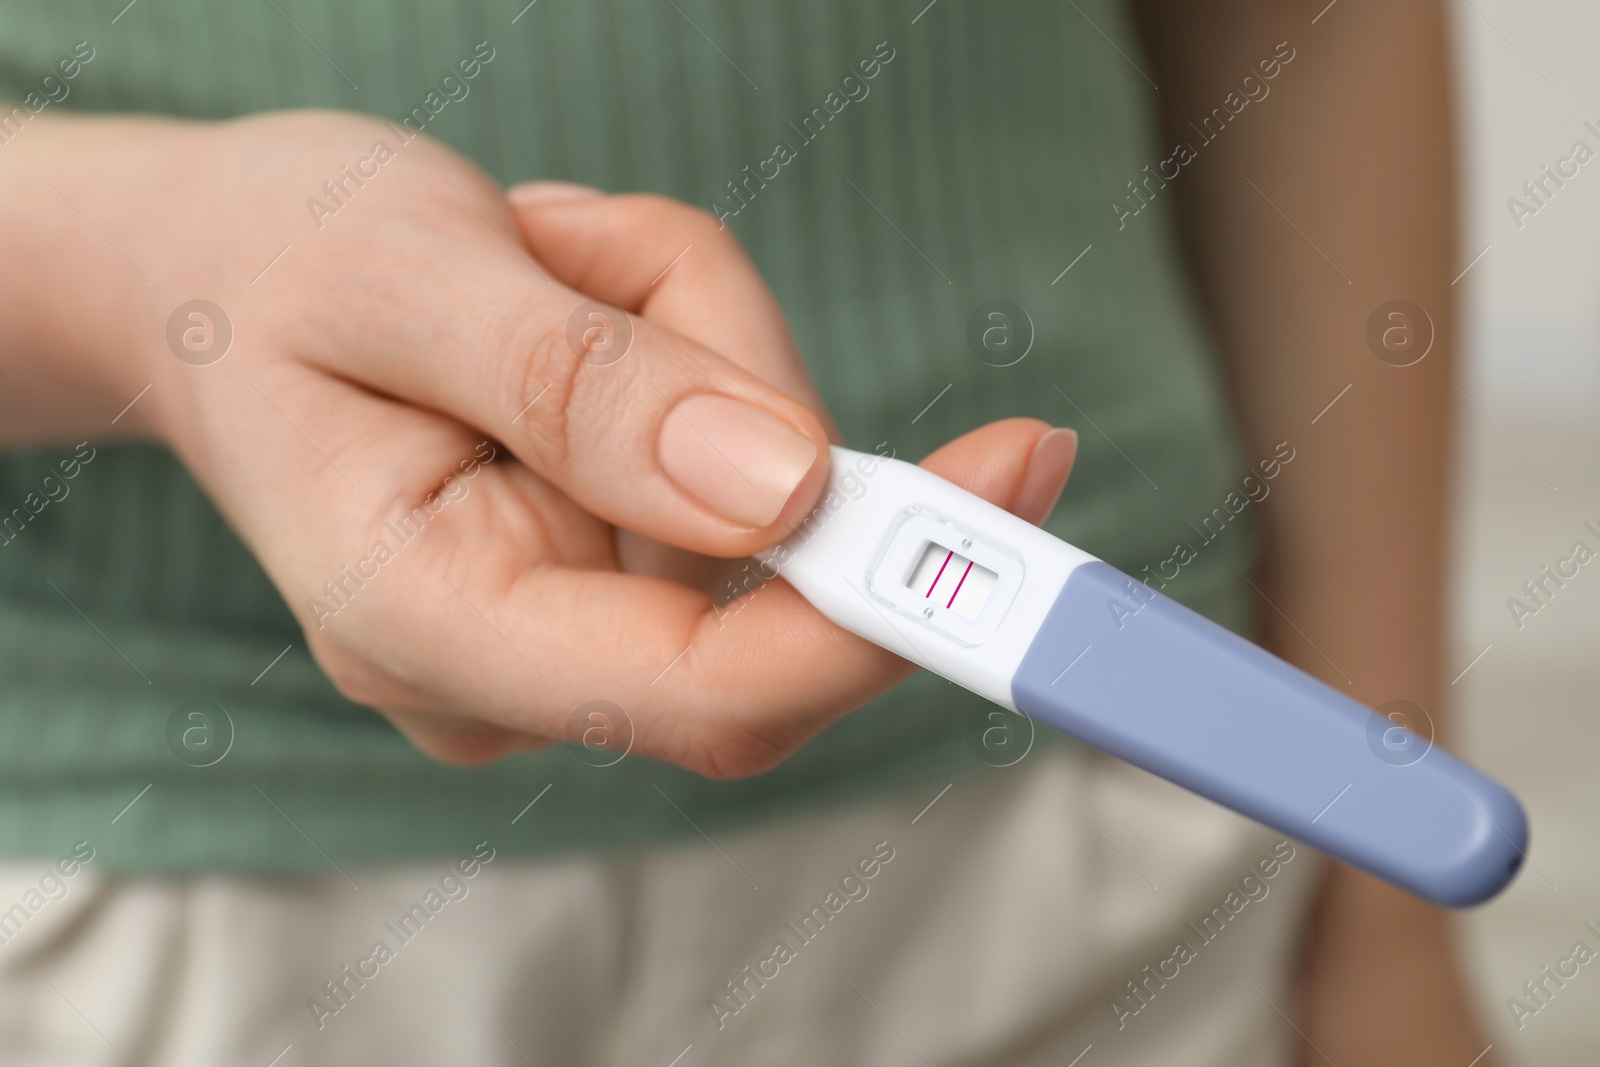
x,y
1046,475
735,459
537,194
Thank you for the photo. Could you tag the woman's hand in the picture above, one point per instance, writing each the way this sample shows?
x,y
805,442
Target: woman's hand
x,y
482,510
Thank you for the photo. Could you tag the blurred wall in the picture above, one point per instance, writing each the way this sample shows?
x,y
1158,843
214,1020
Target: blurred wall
x,y
1529,422
1529,83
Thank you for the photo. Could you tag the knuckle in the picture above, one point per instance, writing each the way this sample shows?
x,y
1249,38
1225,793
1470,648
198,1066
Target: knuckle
x,y
692,223
357,680
723,751
539,364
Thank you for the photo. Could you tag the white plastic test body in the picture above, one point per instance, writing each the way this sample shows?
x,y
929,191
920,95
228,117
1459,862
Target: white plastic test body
x,y
969,591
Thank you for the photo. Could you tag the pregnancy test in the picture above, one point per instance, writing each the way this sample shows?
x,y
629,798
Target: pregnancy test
x,y
969,591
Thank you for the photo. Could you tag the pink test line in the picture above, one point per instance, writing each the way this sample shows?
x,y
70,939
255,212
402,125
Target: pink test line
x,y
960,583
936,577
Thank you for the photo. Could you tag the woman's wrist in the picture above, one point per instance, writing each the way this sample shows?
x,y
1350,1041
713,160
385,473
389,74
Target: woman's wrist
x,y
79,339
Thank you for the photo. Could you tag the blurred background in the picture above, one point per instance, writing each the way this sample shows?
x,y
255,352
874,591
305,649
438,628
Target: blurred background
x,y
1529,429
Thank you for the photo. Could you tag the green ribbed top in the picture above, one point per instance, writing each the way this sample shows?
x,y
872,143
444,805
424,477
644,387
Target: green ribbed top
x,y
976,166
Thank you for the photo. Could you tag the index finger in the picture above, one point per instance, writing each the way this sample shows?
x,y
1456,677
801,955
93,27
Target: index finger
x,y
671,440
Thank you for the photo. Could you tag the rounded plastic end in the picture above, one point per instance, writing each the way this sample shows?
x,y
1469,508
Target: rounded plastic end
x,y
1501,852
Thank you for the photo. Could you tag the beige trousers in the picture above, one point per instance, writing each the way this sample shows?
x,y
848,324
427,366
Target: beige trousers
x,y
1029,918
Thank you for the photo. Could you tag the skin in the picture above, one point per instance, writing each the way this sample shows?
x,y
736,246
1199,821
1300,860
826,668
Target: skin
x,y
1355,144
381,354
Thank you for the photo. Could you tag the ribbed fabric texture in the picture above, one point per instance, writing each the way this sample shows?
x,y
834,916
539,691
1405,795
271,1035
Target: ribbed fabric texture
x,y
978,166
